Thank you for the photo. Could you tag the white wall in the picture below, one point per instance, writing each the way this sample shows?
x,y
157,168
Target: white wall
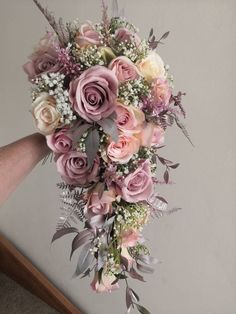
x,y
196,245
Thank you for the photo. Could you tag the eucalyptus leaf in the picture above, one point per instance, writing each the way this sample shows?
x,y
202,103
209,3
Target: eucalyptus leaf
x,y
128,299
81,238
91,146
109,127
145,269
86,258
61,232
166,176
147,259
134,295
135,275
79,131
142,309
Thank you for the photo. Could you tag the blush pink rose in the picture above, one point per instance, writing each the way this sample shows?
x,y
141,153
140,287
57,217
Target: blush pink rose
x,y
129,119
74,169
129,238
124,69
138,186
97,205
161,93
105,284
93,93
87,35
44,59
152,135
122,151
60,142
125,35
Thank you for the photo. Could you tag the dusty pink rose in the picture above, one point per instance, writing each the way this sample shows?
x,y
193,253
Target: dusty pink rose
x,y
124,69
152,135
125,35
138,186
161,93
129,119
74,169
44,59
99,205
123,150
105,284
93,94
87,35
129,238
60,142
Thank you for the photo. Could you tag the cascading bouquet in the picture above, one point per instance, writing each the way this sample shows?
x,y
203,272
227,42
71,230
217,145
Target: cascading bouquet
x,y
104,98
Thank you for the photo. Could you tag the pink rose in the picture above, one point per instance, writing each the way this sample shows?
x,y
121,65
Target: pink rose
x,y
152,135
99,205
124,69
44,59
60,142
93,94
87,35
129,119
122,151
105,284
161,93
125,35
138,186
129,238
74,169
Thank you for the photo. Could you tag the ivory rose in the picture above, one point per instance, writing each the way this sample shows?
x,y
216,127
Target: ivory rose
x,y
93,93
152,135
123,150
44,58
152,67
105,284
138,185
124,69
61,141
45,114
129,119
87,35
74,169
97,205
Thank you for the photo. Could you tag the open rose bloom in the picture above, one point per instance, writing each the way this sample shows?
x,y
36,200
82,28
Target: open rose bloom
x,y
103,98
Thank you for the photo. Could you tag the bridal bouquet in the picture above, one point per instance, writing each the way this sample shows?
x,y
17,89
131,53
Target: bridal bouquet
x,y
103,97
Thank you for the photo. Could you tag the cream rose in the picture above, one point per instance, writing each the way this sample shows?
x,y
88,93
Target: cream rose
x,y
46,116
152,67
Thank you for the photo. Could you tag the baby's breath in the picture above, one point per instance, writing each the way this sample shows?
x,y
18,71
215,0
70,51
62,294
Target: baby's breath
x,y
88,56
52,83
130,92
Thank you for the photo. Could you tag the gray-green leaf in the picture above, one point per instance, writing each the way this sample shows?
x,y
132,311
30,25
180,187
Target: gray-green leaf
x,y
91,146
109,127
85,260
